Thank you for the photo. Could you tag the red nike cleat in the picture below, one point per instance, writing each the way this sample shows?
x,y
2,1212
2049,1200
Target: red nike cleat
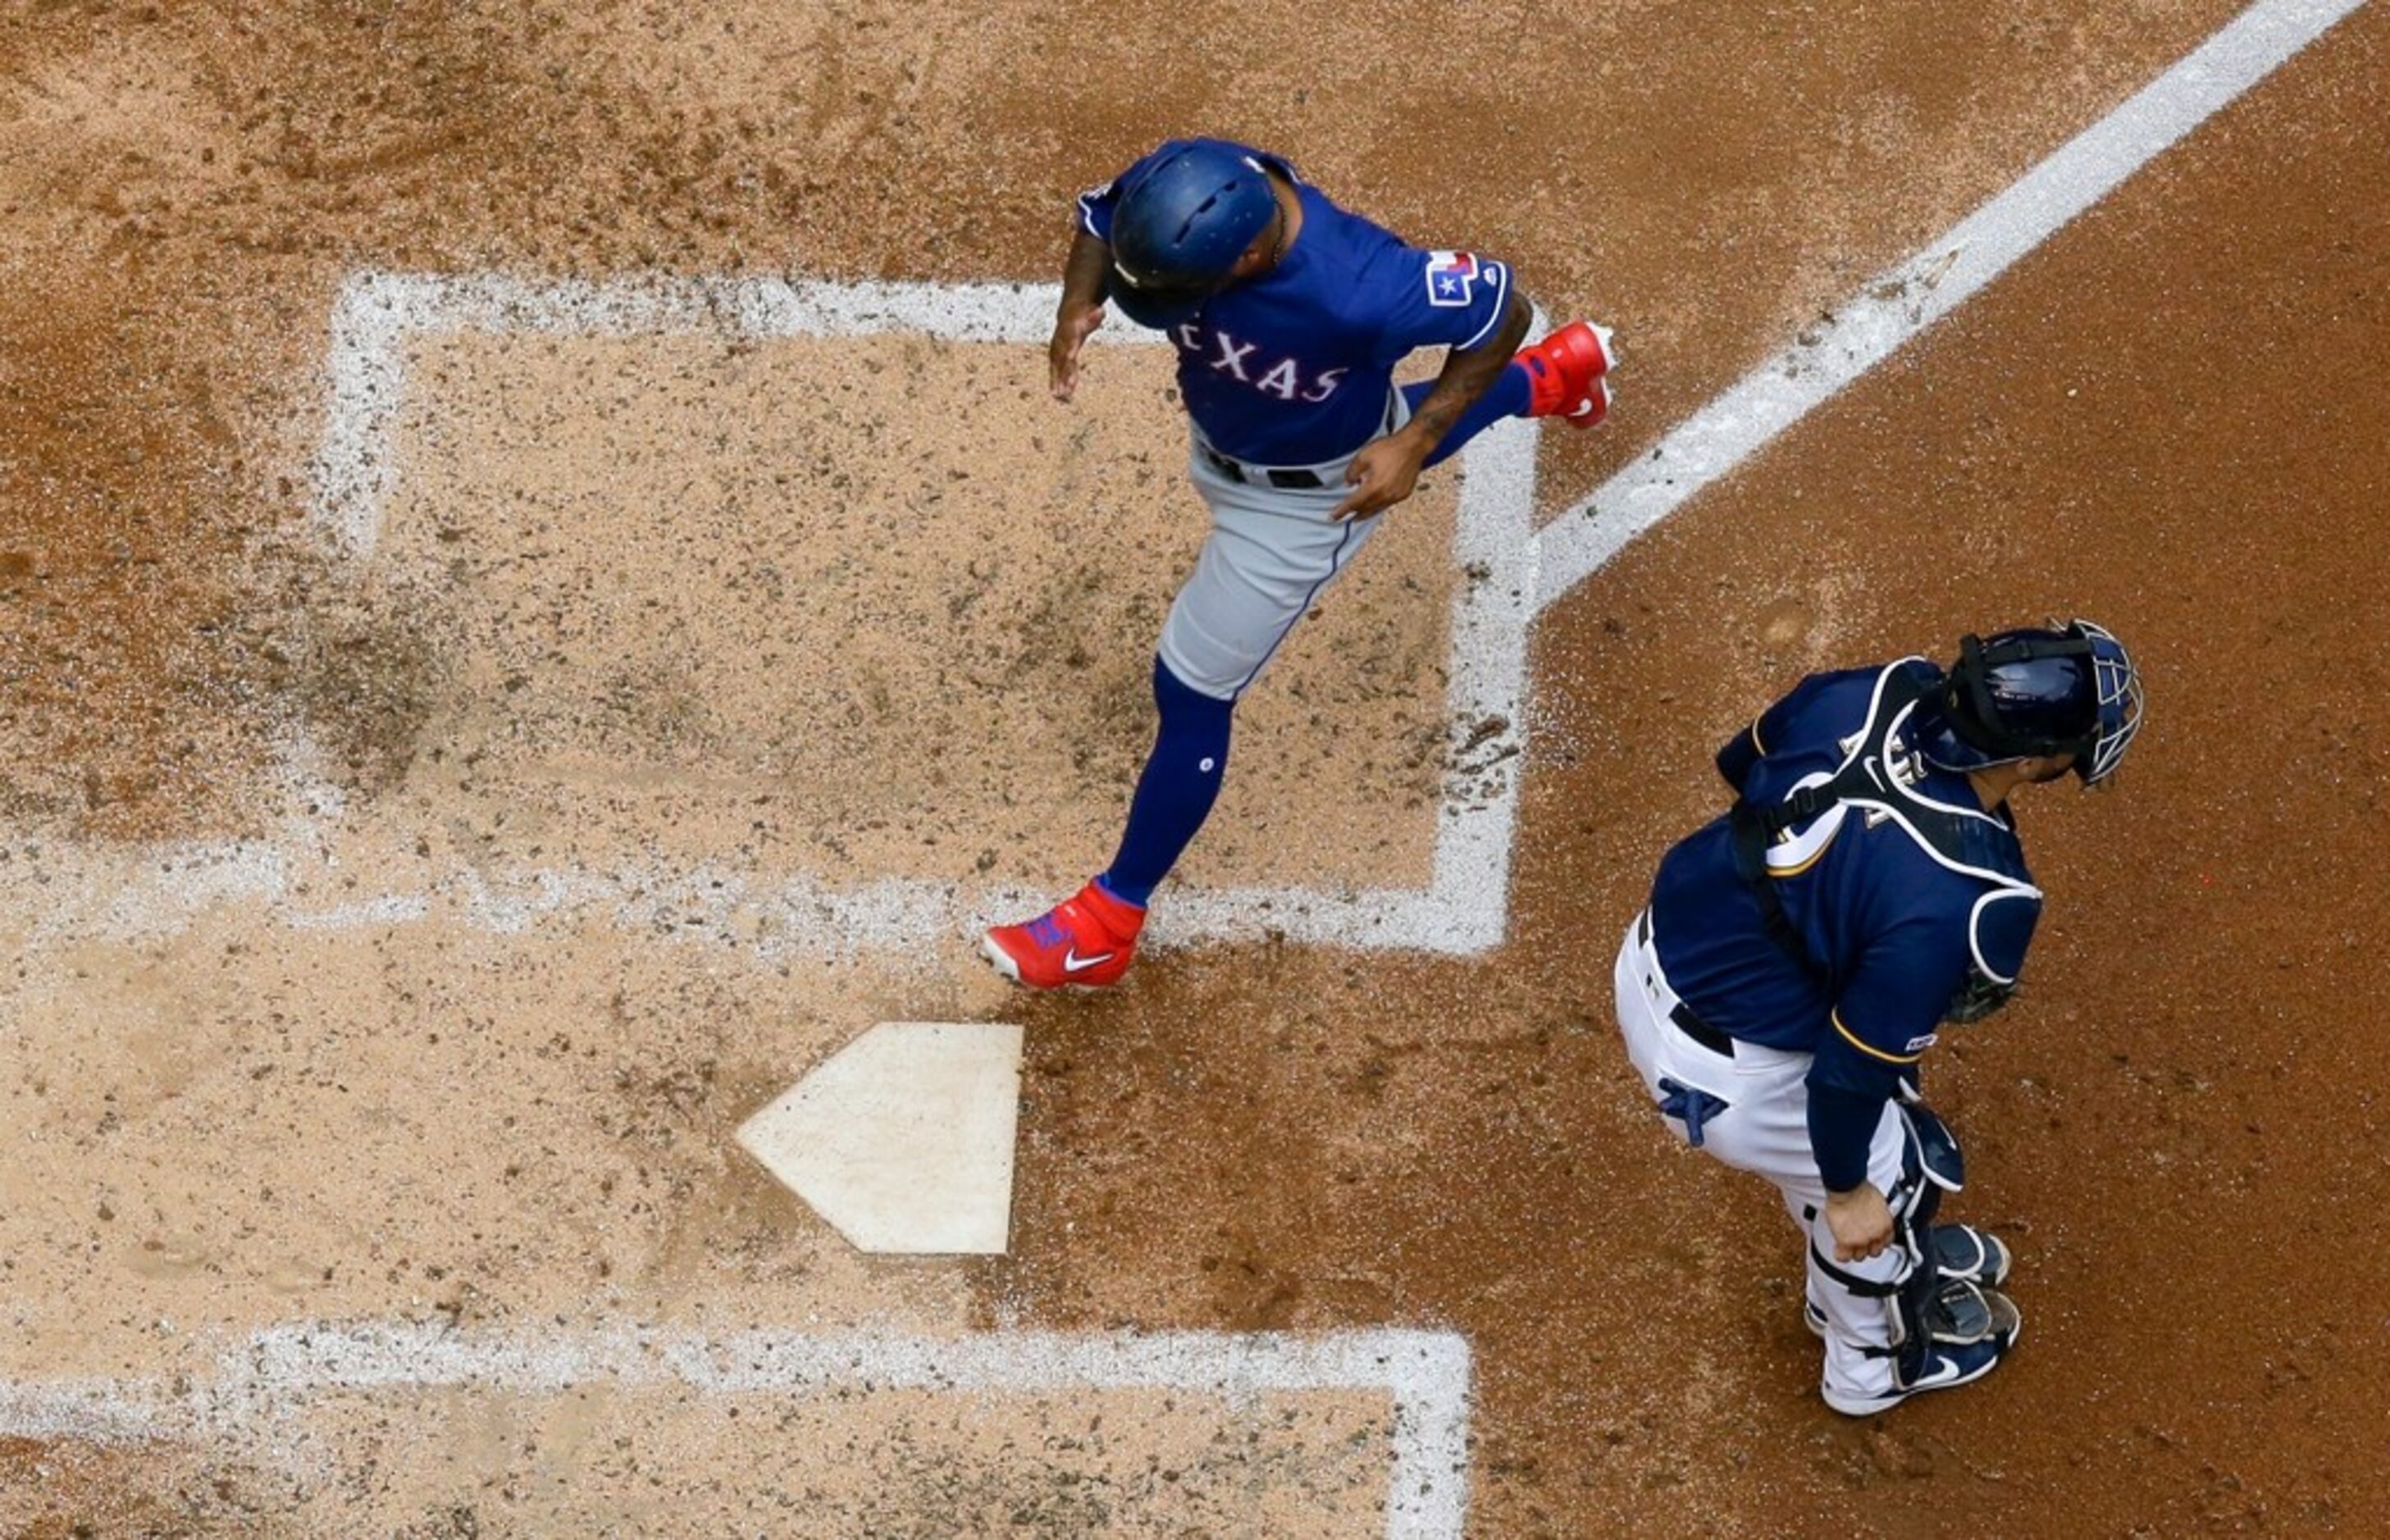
x,y
1565,374
1087,941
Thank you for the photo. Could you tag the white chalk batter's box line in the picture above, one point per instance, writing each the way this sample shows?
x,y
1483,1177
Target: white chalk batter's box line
x,y
1461,910
267,1381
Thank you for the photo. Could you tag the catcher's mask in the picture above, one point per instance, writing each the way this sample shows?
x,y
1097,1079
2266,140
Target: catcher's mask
x,y
1181,225
2030,693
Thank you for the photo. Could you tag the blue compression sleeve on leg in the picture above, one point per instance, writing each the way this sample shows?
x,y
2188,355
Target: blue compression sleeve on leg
x,y
1176,791
1506,397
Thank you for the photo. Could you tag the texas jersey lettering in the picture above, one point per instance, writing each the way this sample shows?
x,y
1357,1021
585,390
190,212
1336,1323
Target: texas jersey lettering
x,y
1224,355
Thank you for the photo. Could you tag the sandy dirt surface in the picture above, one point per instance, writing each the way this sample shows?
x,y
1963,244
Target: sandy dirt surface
x,y
848,610
290,1034
597,1459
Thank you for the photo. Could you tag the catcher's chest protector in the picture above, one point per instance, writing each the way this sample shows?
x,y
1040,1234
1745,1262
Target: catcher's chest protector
x,y
1878,778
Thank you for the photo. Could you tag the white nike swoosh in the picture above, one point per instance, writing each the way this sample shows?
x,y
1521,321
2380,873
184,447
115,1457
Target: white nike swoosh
x,y
1073,962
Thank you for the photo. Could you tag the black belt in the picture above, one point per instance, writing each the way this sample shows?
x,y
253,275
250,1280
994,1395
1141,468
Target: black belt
x,y
1291,480
1699,1030
1693,1026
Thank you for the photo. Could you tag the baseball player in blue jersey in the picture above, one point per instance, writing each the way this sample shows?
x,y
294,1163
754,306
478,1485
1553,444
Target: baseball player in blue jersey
x,y
1288,315
1800,952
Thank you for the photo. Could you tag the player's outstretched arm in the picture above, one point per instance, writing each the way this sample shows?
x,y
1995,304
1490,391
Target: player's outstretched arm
x,y
1387,469
1081,312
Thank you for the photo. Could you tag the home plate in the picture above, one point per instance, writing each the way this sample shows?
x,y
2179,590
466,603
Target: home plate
x,y
903,1139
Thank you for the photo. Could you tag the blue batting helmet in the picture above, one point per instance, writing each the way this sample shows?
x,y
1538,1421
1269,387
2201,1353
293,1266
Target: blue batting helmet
x,y
2025,694
1180,226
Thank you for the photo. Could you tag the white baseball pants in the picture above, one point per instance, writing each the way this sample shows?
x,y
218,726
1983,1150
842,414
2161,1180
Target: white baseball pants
x,y
1271,552
1764,1129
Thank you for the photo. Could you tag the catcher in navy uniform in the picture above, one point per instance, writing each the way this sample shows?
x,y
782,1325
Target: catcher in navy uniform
x,y
1801,952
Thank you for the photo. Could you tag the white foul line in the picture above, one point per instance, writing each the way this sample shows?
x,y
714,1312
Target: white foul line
x,y
269,1378
1899,303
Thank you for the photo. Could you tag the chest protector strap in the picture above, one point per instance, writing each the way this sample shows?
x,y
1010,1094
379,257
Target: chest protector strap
x,y
1873,778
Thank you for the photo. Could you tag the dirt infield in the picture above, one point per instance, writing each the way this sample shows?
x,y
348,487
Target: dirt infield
x,y
699,596
303,1025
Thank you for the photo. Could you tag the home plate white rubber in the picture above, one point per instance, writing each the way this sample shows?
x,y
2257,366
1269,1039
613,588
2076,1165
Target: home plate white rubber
x,y
903,1139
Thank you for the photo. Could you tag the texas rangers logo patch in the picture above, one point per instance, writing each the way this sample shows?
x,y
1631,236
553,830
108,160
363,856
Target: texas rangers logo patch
x,y
1451,279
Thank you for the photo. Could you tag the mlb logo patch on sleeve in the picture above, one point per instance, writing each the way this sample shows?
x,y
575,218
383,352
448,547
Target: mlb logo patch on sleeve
x,y
1451,278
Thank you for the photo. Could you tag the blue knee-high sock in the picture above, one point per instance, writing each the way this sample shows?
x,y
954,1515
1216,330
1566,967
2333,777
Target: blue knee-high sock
x,y
1506,397
1176,789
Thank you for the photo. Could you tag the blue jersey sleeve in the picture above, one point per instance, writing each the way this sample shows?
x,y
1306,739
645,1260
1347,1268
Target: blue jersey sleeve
x,y
1883,1021
1841,1128
1888,1008
1786,723
1096,206
1880,1026
1738,754
1885,1016
1435,300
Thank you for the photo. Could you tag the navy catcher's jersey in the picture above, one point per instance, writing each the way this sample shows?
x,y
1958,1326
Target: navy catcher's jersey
x,y
1293,367
1893,932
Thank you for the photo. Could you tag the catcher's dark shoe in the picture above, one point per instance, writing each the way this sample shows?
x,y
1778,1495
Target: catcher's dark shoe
x,y
1971,1330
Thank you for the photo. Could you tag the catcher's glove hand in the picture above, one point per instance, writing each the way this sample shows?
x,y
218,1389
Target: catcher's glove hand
x,y
1979,998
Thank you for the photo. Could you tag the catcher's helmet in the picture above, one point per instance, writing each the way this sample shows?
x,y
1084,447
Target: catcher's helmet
x,y
2024,694
1180,226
